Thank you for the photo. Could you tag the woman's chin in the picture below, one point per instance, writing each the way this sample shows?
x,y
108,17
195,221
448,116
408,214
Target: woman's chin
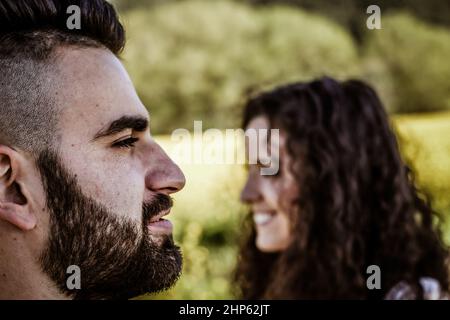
x,y
269,245
272,231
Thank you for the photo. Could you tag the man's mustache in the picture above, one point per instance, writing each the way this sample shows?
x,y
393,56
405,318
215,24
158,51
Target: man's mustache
x,y
161,202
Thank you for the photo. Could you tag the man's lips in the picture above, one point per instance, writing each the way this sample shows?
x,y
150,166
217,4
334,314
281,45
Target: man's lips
x,y
158,225
159,216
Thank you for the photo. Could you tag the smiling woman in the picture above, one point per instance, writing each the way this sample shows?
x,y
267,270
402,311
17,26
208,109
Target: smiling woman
x,y
344,200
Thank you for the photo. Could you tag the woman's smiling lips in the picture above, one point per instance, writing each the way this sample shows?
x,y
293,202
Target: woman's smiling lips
x,y
263,217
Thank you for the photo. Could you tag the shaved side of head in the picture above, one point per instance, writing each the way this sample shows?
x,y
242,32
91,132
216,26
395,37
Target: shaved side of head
x,y
28,103
31,32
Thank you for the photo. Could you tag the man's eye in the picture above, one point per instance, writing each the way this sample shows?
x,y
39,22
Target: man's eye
x,y
127,143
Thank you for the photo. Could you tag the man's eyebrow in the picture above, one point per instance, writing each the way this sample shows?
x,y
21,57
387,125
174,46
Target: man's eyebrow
x,y
136,123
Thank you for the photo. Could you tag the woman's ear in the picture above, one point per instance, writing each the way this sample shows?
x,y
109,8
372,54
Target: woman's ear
x,y
14,205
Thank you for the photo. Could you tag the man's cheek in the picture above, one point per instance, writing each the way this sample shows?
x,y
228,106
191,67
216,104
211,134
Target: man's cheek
x,y
126,198
116,184
41,233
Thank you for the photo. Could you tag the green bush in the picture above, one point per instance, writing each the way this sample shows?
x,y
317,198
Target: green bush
x,y
195,59
408,61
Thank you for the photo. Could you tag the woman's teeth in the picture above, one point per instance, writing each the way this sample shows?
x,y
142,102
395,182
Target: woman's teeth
x,y
262,218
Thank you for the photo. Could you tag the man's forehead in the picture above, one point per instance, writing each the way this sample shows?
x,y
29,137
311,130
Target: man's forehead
x,y
95,90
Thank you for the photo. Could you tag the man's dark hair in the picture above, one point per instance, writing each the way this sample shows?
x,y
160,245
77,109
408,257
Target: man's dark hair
x,y
30,33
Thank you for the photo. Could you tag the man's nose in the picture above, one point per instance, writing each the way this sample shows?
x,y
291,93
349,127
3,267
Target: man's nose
x,y
164,176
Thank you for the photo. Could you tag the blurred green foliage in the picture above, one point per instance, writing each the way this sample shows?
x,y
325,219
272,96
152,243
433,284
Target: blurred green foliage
x,y
352,13
347,12
208,215
409,61
195,59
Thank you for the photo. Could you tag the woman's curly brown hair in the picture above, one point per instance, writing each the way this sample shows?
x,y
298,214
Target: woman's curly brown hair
x,y
358,205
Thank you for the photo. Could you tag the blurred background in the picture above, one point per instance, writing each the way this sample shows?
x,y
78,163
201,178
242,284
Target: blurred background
x,y
197,60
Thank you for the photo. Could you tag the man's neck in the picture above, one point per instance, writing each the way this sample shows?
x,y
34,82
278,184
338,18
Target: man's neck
x,y
21,277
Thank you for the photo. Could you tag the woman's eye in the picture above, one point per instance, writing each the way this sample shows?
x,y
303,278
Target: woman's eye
x,y
127,143
261,165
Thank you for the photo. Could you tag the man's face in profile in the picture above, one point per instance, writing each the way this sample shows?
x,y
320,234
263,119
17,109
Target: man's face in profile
x,y
105,185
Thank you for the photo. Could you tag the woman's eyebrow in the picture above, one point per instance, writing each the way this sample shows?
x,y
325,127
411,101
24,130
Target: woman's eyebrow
x,y
136,123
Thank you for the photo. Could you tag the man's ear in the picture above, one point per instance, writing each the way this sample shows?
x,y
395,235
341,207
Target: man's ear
x,y
14,205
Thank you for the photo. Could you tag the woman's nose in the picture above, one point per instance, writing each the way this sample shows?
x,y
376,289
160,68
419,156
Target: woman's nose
x,y
250,192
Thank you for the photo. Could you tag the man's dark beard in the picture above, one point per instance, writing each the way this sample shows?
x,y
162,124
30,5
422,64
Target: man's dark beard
x,y
116,260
